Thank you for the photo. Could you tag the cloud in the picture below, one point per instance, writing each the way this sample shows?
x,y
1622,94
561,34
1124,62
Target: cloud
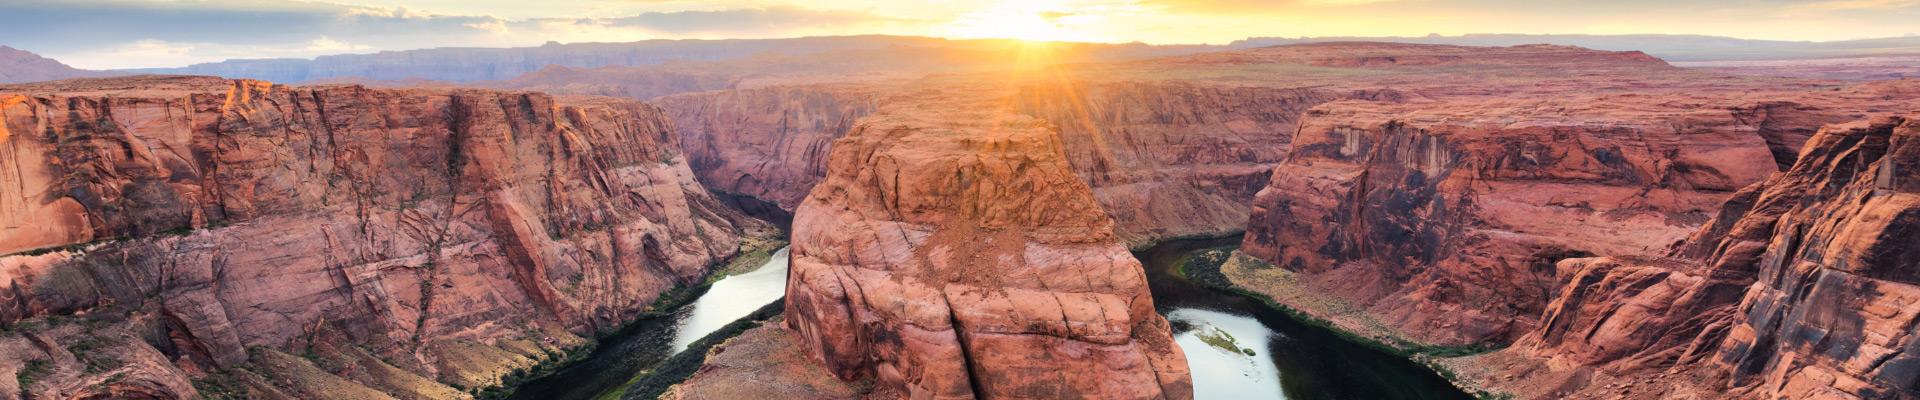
x,y
155,53
148,33
93,24
745,21
151,33
1836,5
1245,6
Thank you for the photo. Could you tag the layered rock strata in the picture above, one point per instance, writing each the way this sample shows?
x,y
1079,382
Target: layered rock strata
x,y
1165,159
770,143
1801,288
439,228
953,254
1170,159
1447,224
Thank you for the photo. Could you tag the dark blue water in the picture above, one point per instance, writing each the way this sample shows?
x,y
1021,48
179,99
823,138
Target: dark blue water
x,y
1308,362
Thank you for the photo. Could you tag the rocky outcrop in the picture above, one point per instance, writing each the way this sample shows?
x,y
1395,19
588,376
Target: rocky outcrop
x,y
765,362
951,253
434,226
1801,288
17,66
1447,224
1830,313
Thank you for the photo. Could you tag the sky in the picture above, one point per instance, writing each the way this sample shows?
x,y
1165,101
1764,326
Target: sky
x,y
106,34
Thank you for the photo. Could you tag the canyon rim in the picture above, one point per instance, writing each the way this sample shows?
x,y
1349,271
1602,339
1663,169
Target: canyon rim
x,y
966,199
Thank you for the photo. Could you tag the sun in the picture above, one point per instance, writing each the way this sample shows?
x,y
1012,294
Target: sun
x,y
1026,20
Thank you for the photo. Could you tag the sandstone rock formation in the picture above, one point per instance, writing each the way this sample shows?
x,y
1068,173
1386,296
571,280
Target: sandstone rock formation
x,y
1872,68
1166,159
1442,215
1171,160
951,253
1831,312
771,143
761,362
1447,223
17,66
1801,288
1177,146
1437,187
458,233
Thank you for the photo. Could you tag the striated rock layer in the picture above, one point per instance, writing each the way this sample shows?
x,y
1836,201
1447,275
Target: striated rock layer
x,y
1447,223
1165,159
1171,159
771,143
1803,287
434,226
953,254
1443,219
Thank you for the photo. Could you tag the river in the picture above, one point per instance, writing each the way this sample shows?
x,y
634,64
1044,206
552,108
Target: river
x,y
1290,360
630,353
1276,357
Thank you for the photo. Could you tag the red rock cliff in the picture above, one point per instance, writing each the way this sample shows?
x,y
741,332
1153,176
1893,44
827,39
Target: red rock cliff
x,y
1445,219
1831,311
953,254
416,221
1168,159
1165,159
1801,288
770,143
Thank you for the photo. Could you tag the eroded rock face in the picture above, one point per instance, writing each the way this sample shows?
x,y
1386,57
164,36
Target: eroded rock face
x,y
1449,223
953,254
1834,248
254,214
1803,287
1165,159
771,143
1168,159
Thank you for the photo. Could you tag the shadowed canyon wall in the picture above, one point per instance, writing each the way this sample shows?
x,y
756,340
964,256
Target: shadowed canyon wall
x,y
1447,224
771,143
1801,288
1164,159
1442,220
457,233
1171,160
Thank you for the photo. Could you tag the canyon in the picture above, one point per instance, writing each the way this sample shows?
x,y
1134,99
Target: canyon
x,y
1436,195
1538,221
409,243
1800,288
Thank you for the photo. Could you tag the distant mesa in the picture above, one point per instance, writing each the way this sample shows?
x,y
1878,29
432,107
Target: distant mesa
x,y
21,66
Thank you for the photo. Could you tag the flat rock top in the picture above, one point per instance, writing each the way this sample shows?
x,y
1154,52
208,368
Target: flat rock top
x,y
134,85
174,86
1390,55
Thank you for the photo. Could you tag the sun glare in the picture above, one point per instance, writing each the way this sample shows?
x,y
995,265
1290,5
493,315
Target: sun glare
x,y
1026,20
